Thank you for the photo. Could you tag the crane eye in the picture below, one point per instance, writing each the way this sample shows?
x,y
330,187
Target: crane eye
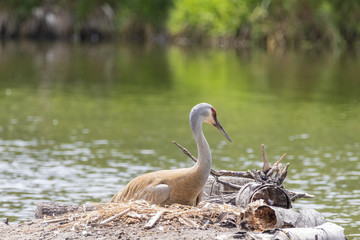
x,y
213,111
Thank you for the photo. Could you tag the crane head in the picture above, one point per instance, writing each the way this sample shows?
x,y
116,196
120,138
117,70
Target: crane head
x,y
212,119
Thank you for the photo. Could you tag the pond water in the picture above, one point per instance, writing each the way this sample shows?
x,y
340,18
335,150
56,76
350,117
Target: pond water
x,y
77,122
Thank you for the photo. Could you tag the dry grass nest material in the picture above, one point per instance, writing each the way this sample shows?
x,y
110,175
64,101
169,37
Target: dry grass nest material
x,y
112,214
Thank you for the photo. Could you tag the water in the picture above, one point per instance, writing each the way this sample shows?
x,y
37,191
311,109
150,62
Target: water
x,y
77,122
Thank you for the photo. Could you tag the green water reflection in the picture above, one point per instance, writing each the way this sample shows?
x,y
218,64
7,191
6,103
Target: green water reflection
x,y
79,121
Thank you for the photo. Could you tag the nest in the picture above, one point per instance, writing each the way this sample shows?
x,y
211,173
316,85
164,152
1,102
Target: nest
x,y
252,204
113,214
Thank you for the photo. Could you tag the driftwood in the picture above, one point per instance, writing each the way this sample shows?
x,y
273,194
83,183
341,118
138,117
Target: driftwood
x,y
251,185
326,231
56,209
260,216
267,170
267,203
273,195
115,216
215,187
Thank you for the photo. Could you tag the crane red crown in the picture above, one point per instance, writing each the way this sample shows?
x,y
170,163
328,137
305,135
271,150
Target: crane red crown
x,y
213,111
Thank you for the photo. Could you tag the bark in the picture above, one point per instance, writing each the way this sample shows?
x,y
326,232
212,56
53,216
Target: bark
x,y
224,185
259,216
272,195
227,182
326,231
56,209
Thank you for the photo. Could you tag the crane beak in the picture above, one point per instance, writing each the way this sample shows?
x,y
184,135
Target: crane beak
x,y
221,129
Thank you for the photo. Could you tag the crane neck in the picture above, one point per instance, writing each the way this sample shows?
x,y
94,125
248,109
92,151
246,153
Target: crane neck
x,y
203,165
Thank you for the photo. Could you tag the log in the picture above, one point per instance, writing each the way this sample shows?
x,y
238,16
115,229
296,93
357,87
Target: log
x,y
217,187
261,217
272,195
326,231
56,209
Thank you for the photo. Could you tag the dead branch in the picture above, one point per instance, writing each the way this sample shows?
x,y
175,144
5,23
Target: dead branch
x,y
231,185
279,161
266,167
115,216
185,151
229,173
56,220
213,172
283,175
275,174
153,220
296,195
56,209
276,167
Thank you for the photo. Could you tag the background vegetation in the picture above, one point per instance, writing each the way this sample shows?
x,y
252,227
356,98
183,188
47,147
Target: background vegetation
x,y
273,24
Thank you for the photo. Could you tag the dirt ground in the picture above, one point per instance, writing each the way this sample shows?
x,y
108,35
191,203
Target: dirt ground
x,y
37,229
126,221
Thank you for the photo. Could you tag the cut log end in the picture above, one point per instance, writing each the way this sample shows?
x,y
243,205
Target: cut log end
x,y
271,194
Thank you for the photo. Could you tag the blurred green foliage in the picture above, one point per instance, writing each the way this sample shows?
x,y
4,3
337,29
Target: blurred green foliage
x,y
274,23
298,23
214,17
154,12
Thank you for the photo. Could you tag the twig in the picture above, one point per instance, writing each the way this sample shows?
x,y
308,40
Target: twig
x,y
278,161
231,185
55,220
252,175
213,172
232,174
187,222
153,220
185,151
295,195
276,166
278,171
115,216
283,175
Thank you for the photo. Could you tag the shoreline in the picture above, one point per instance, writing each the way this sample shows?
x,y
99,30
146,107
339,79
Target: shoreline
x,y
51,21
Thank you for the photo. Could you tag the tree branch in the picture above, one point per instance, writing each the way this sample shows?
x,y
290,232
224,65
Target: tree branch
x,y
213,172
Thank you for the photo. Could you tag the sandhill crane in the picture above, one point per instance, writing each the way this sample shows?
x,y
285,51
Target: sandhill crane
x,y
185,185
